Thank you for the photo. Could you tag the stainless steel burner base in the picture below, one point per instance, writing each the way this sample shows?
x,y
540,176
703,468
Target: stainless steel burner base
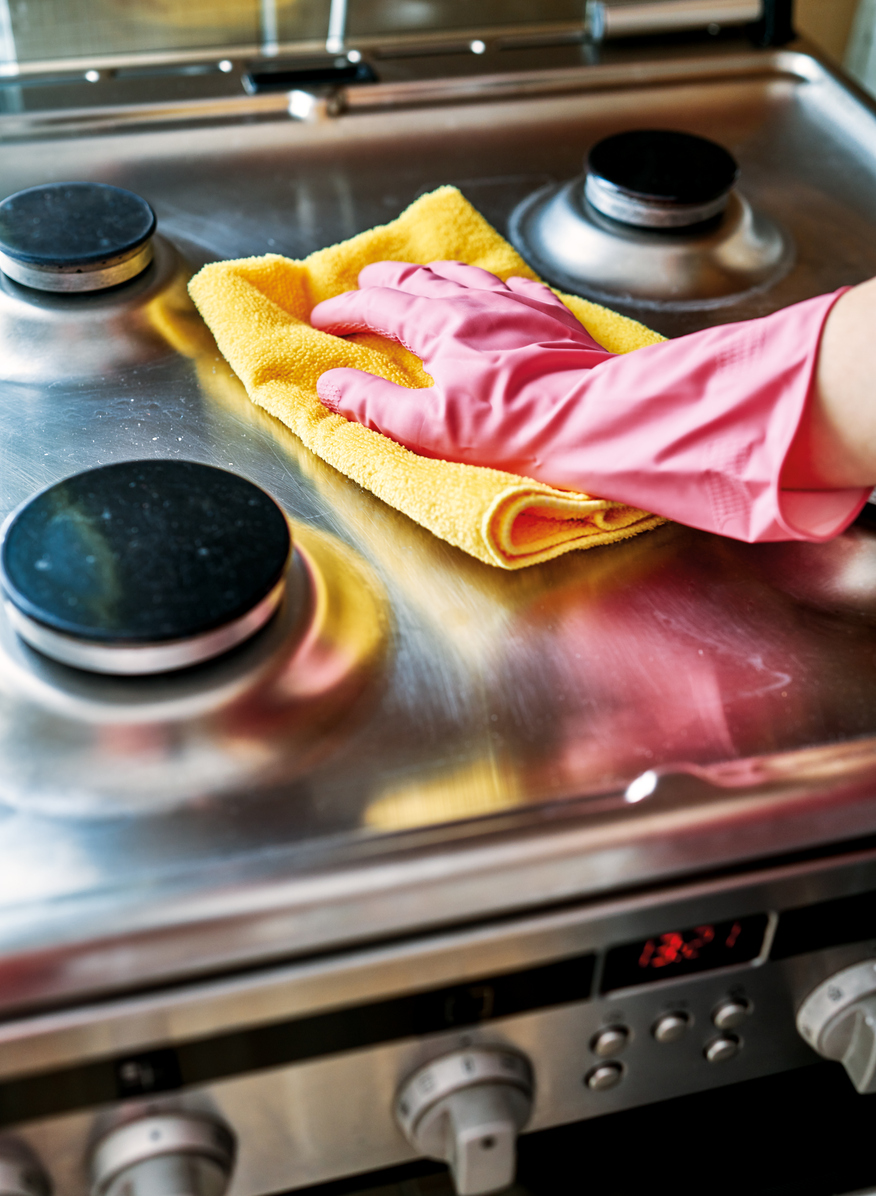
x,y
140,660
253,718
571,245
67,280
45,334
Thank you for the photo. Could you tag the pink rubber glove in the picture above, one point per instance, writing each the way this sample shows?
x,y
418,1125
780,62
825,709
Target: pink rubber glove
x,y
696,429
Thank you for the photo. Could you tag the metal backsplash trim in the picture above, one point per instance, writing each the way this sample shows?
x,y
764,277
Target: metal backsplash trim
x,y
511,36
377,97
635,19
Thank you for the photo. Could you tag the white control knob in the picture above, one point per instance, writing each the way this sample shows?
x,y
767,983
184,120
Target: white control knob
x,y
20,1171
167,1154
838,1019
467,1108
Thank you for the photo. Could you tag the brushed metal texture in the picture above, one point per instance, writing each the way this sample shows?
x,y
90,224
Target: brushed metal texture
x,y
473,760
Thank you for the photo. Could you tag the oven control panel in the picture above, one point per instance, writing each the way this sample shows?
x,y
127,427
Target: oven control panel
x,y
447,1048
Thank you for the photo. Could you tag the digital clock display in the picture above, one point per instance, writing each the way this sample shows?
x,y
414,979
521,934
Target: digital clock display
x,y
680,952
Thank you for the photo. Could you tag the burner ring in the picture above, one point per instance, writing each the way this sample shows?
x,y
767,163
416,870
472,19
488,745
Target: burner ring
x,y
657,178
144,566
75,236
617,204
141,660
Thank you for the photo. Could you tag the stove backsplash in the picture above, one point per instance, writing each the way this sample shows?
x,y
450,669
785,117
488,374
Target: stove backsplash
x,y
45,36
46,31
369,17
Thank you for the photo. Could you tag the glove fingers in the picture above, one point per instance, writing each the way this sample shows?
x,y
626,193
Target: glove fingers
x,y
410,278
536,290
383,406
538,293
393,314
473,278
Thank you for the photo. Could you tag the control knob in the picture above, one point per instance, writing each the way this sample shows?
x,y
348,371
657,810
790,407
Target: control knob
x,y
21,1173
838,1019
467,1108
166,1154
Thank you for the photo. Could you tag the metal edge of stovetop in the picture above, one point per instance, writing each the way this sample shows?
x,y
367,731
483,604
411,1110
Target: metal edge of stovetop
x,y
54,952
801,61
748,813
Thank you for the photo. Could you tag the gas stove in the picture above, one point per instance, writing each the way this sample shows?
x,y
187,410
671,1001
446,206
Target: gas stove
x,y
422,854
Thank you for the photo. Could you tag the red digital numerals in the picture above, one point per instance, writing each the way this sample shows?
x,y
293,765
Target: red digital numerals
x,y
680,946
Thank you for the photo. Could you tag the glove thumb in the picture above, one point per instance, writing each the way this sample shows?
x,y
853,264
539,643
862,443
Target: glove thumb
x,y
396,411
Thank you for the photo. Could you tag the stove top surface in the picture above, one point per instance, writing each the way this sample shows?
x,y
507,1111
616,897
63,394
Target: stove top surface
x,y
472,749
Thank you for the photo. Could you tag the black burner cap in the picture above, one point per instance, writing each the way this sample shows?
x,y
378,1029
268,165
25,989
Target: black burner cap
x,y
659,164
144,552
63,225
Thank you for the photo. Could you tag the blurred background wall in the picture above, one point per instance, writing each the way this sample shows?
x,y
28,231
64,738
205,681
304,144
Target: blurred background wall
x,y
32,30
50,29
828,23
860,54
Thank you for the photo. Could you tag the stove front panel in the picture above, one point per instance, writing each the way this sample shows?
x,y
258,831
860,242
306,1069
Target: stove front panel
x,y
303,1063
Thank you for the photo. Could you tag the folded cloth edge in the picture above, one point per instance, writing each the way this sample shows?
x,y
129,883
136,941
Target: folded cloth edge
x,y
572,515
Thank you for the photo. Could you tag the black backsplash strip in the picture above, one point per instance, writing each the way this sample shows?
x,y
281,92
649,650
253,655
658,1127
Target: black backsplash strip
x,y
827,924
276,76
208,1059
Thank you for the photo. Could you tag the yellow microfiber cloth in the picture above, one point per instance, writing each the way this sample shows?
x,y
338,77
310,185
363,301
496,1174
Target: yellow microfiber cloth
x,y
258,310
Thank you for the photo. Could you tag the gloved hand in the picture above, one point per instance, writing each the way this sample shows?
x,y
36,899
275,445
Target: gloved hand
x,y
696,429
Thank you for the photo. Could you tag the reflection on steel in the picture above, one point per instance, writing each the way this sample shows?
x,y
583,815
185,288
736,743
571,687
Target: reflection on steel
x,y
336,37
643,786
838,577
270,32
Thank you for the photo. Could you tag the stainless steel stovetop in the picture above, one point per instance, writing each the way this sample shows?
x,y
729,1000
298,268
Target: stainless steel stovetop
x,y
461,746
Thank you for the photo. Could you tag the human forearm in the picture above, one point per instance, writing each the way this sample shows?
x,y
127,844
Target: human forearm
x,y
835,447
